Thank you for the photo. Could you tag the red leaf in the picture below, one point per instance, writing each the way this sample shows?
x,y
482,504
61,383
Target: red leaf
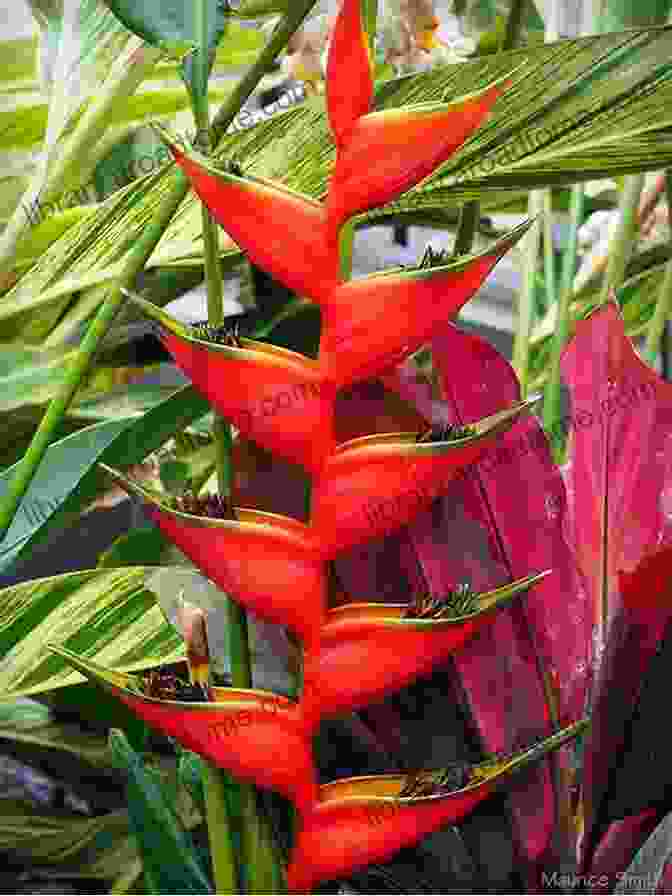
x,y
618,848
621,488
478,532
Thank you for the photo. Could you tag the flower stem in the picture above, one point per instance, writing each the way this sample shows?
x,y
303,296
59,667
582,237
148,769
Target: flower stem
x,y
135,262
215,781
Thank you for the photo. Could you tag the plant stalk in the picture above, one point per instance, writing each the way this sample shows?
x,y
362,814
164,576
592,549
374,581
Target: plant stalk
x,y
530,254
224,866
622,242
552,409
549,255
466,227
215,781
664,299
135,262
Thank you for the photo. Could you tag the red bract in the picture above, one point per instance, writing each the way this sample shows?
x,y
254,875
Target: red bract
x,y
371,323
387,153
268,563
281,231
358,821
349,71
374,485
254,735
274,396
368,651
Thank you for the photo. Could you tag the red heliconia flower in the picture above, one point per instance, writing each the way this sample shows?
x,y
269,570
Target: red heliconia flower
x,y
280,230
358,821
389,152
276,397
257,736
368,650
371,486
268,563
349,71
374,322
383,154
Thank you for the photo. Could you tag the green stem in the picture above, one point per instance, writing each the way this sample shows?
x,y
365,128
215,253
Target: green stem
x,y
552,410
346,241
60,403
466,227
549,256
530,253
215,783
514,23
471,211
621,245
664,299
135,262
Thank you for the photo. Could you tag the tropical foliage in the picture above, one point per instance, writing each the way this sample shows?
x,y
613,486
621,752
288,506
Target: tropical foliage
x,y
341,461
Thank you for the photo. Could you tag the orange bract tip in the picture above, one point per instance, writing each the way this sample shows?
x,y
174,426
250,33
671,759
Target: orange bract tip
x,y
349,71
387,153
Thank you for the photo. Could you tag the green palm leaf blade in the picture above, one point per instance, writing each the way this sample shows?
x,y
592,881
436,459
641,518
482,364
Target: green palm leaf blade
x,y
577,109
110,614
68,479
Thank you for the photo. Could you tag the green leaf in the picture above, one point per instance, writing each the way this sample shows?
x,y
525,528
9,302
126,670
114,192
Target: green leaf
x,y
257,9
139,546
86,847
67,480
168,853
109,614
65,751
579,109
175,30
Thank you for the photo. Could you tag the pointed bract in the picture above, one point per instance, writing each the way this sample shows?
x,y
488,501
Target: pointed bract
x,y
276,397
369,651
358,821
374,485
349,71
374,322
268,563
387,153
281,231
257,736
